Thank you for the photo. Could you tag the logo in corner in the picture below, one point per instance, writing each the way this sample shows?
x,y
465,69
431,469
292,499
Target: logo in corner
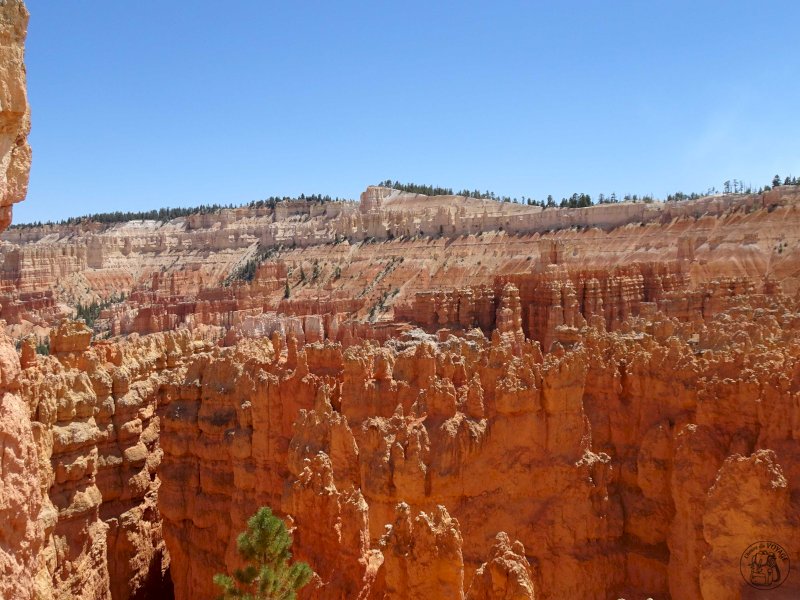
x,y
764,565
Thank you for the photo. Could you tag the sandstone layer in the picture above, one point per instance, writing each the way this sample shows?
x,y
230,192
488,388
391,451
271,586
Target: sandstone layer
x,y
15,123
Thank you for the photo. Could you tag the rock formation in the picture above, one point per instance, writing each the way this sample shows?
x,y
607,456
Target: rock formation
x,y
21,533
407,468
15,122
611,414
444,397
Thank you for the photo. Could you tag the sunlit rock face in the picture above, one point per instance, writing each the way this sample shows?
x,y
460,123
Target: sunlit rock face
x,y
15,122
615,417
397,257
96,430
21,531
628,463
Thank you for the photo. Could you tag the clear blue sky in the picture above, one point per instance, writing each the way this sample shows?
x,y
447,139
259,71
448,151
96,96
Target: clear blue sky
x,y
140,105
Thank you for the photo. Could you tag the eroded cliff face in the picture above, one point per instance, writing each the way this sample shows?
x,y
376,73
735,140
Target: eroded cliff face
x,y
568,423
21,534
620,466
15,123
448,442
636,462
374,258
97,429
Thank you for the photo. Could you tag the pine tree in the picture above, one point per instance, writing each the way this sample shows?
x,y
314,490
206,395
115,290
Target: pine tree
x,y
268,574
287,291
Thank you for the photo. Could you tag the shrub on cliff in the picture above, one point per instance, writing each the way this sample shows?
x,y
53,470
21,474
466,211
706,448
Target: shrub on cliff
x,y
247,271
268,574
91,312
43,347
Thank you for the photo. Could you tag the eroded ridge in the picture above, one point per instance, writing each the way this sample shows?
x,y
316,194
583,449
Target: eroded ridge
x,y
414,467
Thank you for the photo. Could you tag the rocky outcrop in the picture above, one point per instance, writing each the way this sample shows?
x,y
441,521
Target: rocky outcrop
x,y
750,500
96,433
21,532
505,576
15,124
617,461
422,556
70,337
606,469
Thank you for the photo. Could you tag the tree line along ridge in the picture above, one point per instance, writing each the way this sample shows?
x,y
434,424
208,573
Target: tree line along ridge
x,y
576,200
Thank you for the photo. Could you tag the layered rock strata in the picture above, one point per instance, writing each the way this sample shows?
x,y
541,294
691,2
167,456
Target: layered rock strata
x,y
566,427
334,262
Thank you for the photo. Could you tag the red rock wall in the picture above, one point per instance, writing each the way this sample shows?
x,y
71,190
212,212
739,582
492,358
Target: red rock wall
x,y
614,464
97,438
21,532
630,460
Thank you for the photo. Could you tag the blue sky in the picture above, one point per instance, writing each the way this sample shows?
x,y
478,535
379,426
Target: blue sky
x,y
151,104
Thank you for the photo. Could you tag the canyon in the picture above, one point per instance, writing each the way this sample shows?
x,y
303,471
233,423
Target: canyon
x,y
443,397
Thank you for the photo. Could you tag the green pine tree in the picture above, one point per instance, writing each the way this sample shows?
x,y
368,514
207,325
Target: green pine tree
x,y
268,574
287,291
